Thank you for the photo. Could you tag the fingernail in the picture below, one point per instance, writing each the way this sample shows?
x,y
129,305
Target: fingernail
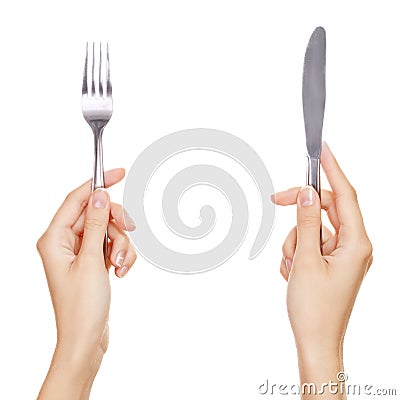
x,y
99,199
306,196
129,222
120,258
122,271
273,197
288,263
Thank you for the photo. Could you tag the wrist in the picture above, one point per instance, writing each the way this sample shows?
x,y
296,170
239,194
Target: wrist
x,y
320,354
80,359
321,365
71,374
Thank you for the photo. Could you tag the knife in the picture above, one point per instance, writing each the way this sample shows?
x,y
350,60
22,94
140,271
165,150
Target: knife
x,y
314,92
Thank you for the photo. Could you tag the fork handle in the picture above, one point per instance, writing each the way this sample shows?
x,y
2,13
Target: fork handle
x,y
98,173
98,176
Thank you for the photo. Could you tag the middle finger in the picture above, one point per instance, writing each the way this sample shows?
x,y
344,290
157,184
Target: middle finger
x,y
117,213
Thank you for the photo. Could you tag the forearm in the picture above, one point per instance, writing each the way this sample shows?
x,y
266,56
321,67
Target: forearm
x,y
70,375
319,373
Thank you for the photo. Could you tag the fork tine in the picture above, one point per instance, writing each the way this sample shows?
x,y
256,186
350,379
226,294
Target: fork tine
x,y
93,61
101,93
108,84
84,84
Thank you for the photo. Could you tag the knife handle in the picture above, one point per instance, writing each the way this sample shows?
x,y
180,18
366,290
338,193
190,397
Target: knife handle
x,y
313,174
313,179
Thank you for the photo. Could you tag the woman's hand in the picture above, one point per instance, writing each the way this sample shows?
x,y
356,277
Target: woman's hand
x,y
78,280
322,288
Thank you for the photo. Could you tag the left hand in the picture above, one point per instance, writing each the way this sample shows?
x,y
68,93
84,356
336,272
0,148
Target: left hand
x,y
78,279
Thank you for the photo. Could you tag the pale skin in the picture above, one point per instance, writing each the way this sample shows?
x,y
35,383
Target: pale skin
x,y
79,284
321,288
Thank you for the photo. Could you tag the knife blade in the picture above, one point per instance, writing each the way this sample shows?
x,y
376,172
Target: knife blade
x,y
314,94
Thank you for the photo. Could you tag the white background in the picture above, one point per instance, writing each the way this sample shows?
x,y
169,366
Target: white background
x,y
229,65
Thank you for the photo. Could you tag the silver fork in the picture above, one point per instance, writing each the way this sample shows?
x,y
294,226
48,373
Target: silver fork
x,y
97,107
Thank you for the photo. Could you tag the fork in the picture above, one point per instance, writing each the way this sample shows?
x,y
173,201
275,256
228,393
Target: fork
x,y
97,107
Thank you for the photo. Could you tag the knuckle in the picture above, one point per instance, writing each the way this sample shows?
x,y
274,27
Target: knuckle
x,y
125,241
309,221
134,256
353,193
41,244
93,224
121,241
69,196
288,250
73,196
370,261
365,248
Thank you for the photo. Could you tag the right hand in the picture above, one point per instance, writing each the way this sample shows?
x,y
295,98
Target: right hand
x,y
322,288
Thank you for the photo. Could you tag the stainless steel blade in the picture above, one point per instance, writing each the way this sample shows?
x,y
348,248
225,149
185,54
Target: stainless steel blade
x,y
314,91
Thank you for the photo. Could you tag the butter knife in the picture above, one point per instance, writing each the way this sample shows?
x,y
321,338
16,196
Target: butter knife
x,y
314,93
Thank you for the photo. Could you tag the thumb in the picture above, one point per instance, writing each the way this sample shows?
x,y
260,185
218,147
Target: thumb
x,y
96,221
308,221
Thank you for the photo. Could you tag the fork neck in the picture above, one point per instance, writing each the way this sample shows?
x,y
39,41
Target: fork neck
x,y
98,168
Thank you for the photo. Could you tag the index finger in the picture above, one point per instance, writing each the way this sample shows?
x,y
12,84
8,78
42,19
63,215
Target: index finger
x,y
77,200
348,210
289,197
